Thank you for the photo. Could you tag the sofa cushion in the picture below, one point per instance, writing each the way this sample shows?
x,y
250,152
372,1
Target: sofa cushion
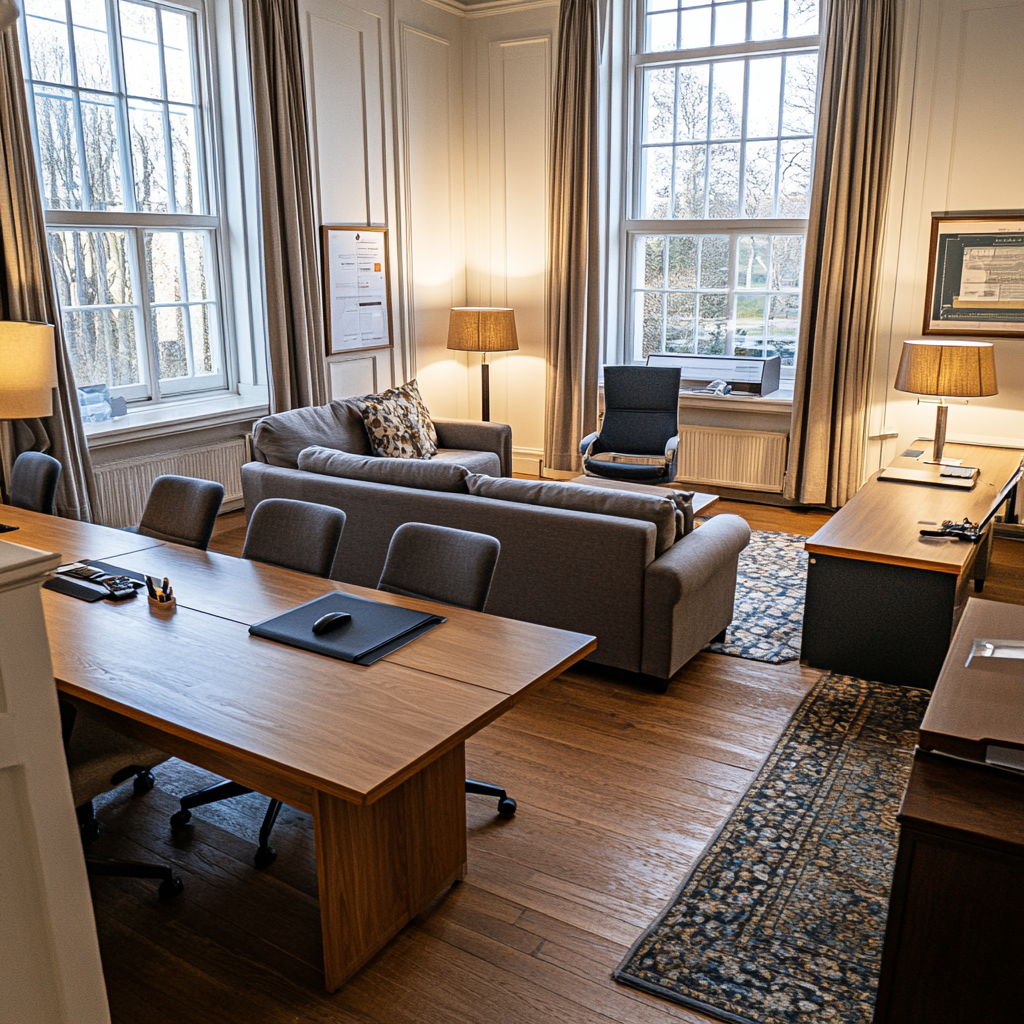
x,y
579,498
397,423
486,463
423,474
278,439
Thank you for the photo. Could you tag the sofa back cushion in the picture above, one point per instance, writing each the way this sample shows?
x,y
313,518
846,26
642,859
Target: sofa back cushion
x,y
579,498
278,439
424,475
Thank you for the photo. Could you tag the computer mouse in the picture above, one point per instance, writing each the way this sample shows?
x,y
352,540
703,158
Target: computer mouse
x,y
329,622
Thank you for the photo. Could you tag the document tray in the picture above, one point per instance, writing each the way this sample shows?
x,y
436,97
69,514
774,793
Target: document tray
x,y
376,629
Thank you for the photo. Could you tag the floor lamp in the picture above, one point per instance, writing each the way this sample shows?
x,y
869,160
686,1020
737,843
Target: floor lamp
x,y
28,375
947,369
482,329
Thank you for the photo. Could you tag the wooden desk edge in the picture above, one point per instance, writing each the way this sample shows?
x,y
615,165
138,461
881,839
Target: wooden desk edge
x,y
871,556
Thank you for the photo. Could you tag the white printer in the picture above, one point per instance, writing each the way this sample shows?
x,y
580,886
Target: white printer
x,y
753,375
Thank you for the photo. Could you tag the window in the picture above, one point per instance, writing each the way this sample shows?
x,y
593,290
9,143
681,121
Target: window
x,y
724,105
116,89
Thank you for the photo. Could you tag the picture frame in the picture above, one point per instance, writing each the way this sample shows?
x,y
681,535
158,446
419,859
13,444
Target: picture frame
x,y
975,283
357,288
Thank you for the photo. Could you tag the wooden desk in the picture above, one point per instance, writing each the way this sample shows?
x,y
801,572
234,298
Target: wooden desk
x,y
376,754
953,941
882,600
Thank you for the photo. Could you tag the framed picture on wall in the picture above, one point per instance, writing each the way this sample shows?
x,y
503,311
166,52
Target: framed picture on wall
x,y
357,288
976,274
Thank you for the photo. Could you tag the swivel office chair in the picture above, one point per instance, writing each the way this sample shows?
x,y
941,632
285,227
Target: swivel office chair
x,y
639,435
298,535
181,509
34,478
453,567
99,759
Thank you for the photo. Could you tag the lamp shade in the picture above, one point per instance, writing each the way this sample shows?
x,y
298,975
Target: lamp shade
x,y
28,370
482,329
948,369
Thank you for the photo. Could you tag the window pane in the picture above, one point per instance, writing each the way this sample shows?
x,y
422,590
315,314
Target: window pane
x,y
177,55
141,51
691,168
750,318
657,177
759,185
204,343
730,23
48,46
752,257
727,100
711,324
149,155
92,45
102,151
795,178
692,104
783,325
682,261
163,266
653,249
800,95
197,261
802,18
695,28
662,32
766,19
763,98
171,346
652,321
58,149
679,325
724,180
186,161
659,105
787,261
714,261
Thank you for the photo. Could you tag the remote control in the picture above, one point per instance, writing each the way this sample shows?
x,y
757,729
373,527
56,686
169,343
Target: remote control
x,y
120,587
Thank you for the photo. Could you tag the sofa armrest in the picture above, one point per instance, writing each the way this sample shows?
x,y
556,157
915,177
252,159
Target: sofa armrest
x,y
689,593
477,436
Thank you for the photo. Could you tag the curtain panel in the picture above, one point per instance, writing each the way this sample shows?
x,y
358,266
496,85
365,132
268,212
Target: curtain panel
x,y
853,155
573,335
295,325
27,291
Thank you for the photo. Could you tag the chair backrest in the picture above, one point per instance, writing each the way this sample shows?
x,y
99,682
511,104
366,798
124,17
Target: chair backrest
x,y
641,409
440,564
34,482
182,509
297,535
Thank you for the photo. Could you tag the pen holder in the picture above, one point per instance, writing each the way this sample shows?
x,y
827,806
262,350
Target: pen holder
x,y
164,608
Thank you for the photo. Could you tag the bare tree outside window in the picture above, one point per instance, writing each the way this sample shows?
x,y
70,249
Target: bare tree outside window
x,y
119,128
724,143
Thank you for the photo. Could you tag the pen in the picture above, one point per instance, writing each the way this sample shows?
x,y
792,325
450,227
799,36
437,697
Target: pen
x,y
166,587
150,588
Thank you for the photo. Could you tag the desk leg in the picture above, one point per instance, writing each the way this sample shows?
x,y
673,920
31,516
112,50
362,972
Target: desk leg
x,y
380,864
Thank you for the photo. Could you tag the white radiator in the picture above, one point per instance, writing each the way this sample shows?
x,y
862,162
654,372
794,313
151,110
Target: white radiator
x,y
123,486
750,460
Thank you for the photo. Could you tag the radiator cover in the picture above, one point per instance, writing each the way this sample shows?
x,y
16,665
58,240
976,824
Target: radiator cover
x,y
751,460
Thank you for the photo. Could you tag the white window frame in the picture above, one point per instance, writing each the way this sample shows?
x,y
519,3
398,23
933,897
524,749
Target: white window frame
x,y
631,226
211,183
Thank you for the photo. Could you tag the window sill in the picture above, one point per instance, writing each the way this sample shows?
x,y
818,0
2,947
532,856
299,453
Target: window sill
x,y
181,417
780,401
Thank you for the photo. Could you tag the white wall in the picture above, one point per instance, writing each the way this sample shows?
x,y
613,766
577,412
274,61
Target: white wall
x,y
960,146
432,119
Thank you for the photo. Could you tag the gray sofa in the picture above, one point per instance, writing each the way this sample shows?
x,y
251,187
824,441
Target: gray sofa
x,y
652,603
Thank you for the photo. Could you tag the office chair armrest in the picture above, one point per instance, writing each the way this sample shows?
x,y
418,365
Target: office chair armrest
x,y
586,443
671,445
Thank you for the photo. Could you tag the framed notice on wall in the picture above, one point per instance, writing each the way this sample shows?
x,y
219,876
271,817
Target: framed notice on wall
x,y
976,274
357,288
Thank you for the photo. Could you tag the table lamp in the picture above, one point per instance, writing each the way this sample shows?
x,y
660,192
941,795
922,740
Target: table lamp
x,y
482,329
28,375
947,369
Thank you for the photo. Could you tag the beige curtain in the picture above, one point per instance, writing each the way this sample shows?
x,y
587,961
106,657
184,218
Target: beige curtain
x,y
27,292
853,155
294,317
573,336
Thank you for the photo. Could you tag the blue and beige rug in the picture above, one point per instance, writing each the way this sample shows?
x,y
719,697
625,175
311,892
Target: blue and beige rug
x,y
781,921
769,611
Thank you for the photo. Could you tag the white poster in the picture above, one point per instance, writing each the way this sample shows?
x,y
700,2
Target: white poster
x,y
357,289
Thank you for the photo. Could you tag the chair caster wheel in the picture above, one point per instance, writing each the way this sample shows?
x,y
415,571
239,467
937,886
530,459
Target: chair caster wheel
x,y
506,807
143,783
171,887
264,857
90,831
180,819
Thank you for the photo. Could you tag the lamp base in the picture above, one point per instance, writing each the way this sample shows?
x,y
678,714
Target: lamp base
x,y
485,391
941,415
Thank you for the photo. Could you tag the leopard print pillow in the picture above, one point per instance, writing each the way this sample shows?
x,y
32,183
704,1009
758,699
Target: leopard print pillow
x,y
398,424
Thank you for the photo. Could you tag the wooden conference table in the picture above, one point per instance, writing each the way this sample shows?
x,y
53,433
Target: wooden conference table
x,y
376,754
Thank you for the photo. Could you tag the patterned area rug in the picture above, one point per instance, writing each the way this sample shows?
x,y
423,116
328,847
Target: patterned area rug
x,y
769,611
781,921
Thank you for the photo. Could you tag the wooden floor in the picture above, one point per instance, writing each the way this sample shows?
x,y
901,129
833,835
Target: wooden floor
x,y
618,792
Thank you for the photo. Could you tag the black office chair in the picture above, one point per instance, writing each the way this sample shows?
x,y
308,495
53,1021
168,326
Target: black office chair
x,y
295,535
453,567
639,435
100,759
181,509
34,482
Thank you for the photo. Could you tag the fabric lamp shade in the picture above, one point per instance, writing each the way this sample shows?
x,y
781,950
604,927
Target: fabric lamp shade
x,y
480,329
947,369
28,370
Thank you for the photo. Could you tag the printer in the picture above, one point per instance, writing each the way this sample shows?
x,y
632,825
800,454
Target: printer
x,y
753,375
